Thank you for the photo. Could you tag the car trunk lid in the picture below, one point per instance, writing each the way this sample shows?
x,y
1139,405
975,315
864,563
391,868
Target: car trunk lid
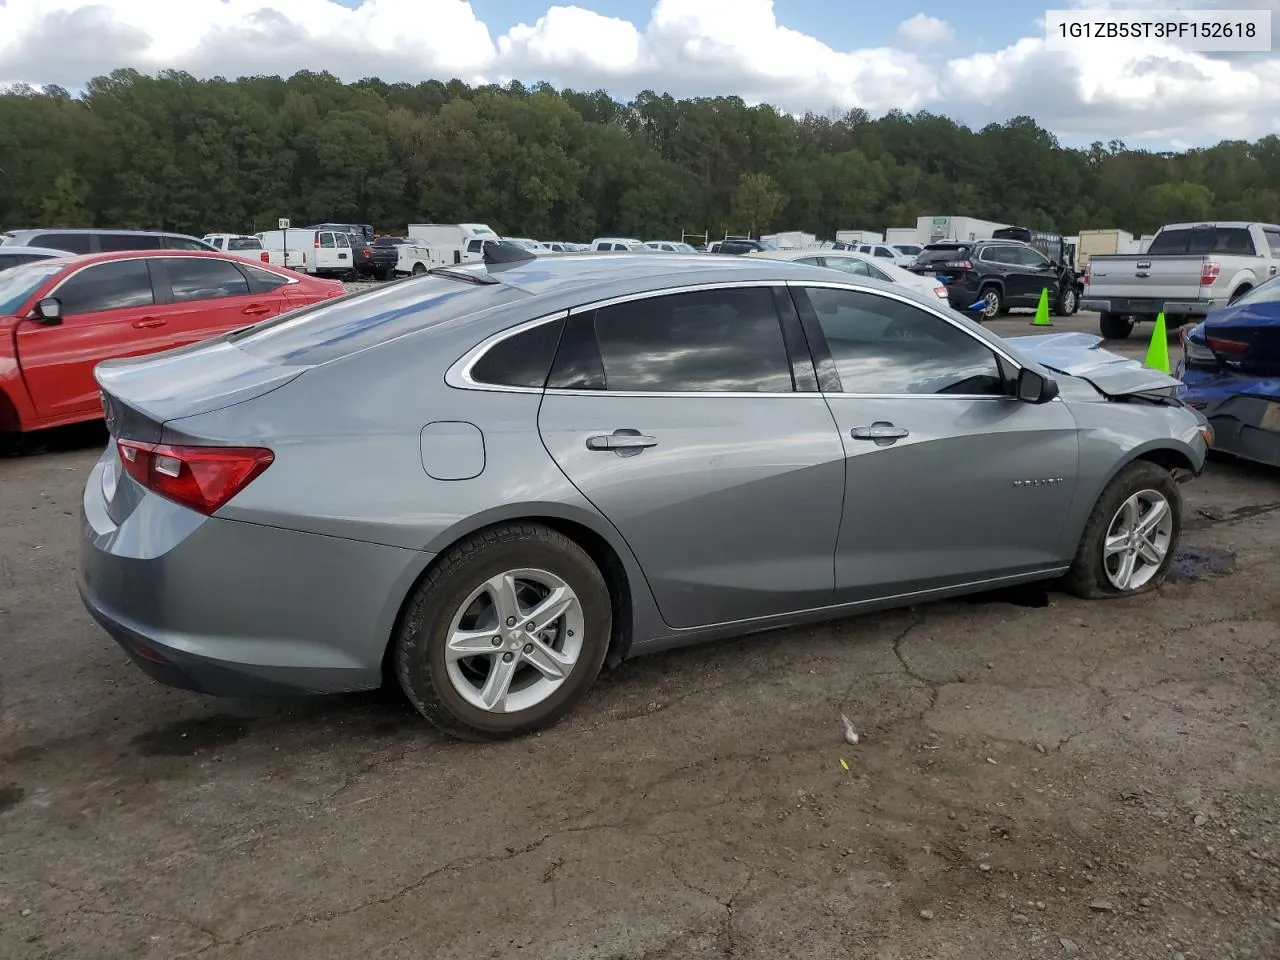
x,y
1246,338
1163,277
1081,355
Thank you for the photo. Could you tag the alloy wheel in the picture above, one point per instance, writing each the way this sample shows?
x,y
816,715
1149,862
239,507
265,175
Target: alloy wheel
x,y
514,640
1138,540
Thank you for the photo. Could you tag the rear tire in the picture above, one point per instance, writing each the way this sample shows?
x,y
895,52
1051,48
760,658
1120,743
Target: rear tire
x,y
418,270
527,681
1115,326
994,302
1096,572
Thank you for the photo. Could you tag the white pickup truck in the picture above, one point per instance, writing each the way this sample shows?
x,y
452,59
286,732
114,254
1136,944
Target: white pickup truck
x,y
1188,270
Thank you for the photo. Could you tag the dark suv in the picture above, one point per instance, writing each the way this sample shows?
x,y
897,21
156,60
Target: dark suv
x,y
102,241
1002,273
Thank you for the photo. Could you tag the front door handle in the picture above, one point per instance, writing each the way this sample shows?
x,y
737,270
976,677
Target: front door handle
x,y
255,310
881,432
623,441
147,322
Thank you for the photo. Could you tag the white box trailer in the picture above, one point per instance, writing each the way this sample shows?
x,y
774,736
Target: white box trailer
x,y
902,235
793,240
1100,243
859,236
455,242
937,229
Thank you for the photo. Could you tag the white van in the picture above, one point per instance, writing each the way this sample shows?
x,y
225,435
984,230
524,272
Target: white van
x,y
318,252
618,243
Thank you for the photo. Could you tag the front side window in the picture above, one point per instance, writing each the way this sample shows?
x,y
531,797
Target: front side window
x,y
884,346
107,286
204,278
119,242
1027,257
712,341
174,242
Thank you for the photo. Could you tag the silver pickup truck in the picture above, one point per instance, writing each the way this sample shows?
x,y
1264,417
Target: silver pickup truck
x,y
1188,270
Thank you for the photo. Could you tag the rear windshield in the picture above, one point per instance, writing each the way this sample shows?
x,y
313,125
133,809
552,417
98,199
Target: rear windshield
x,y
244,243
340,327
19,283
1203,240
941,254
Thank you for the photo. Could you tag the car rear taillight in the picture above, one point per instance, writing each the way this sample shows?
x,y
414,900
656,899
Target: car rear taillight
x,y
940,291
264,256
1209,273
1226,347
367,253
202,478
1085,276
959,264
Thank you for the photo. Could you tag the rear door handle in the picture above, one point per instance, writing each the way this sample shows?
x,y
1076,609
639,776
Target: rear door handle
x,y
255,310
621,440
146,322
879,431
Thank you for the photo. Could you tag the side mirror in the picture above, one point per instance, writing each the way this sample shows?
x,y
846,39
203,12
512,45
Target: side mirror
x,y
1034,388
49,311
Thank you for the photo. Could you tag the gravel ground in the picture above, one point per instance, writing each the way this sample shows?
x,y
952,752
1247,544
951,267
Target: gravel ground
x,y
1038,777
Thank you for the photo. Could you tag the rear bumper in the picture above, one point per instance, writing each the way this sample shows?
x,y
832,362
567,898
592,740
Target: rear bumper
x,y
1243,411
1129,306
238,609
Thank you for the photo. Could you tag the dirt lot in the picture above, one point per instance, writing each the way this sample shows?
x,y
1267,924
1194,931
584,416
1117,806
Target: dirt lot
x,y
1039,777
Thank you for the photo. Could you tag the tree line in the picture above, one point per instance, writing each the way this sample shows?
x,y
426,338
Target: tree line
x,y
174,152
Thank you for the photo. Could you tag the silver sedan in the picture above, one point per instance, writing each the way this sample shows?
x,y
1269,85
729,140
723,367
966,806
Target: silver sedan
x,y
491,481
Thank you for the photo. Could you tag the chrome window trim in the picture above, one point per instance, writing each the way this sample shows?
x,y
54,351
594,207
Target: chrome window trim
x,y
459,374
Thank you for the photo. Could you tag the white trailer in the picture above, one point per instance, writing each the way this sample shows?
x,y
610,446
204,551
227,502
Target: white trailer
x,y
902,235
937,229
793,240
859,236
1100,243
455,242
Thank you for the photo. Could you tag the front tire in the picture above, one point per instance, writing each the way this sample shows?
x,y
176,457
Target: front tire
x,y
1131,535
418,270
545,603
1067,303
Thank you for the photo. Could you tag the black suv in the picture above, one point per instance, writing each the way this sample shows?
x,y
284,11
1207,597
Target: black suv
x,y
1002,273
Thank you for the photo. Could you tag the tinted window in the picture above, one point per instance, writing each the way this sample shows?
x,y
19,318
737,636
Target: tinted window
x,y
1203,240
107,286
8,260
883,346
1028,257
70,242
473,246
932,254
341,326
263,279
521,361
1006,255
884,252
244,243
201,278
847,265
710,341
115,242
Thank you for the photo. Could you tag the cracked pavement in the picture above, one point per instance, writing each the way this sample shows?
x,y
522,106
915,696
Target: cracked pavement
x,y
1037,777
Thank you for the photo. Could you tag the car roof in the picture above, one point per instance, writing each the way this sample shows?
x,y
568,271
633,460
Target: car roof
x,y
84,259
109,230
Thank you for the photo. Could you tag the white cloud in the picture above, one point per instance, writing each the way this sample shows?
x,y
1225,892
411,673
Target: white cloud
x,y
1140,92
923,30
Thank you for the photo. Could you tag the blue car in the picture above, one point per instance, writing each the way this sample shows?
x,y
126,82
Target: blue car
x,y
1231,368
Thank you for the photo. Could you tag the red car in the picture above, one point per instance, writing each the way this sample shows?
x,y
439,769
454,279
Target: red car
x,y
60,317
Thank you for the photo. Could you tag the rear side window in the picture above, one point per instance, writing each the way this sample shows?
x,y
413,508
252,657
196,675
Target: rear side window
x,y
341,326
107,286
263,280
520,361
714,341
204,278
115,242
71,242
1199,241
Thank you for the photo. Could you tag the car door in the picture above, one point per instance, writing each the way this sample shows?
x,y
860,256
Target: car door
x,y
1036,273
998,263
695,426
209,296
343,251
108,310
950,479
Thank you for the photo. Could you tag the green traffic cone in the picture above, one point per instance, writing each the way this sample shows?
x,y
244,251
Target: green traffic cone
x,y
1042,312
1158,351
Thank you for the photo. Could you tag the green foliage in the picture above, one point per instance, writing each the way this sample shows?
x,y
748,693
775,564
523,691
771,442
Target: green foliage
x,y
175,152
